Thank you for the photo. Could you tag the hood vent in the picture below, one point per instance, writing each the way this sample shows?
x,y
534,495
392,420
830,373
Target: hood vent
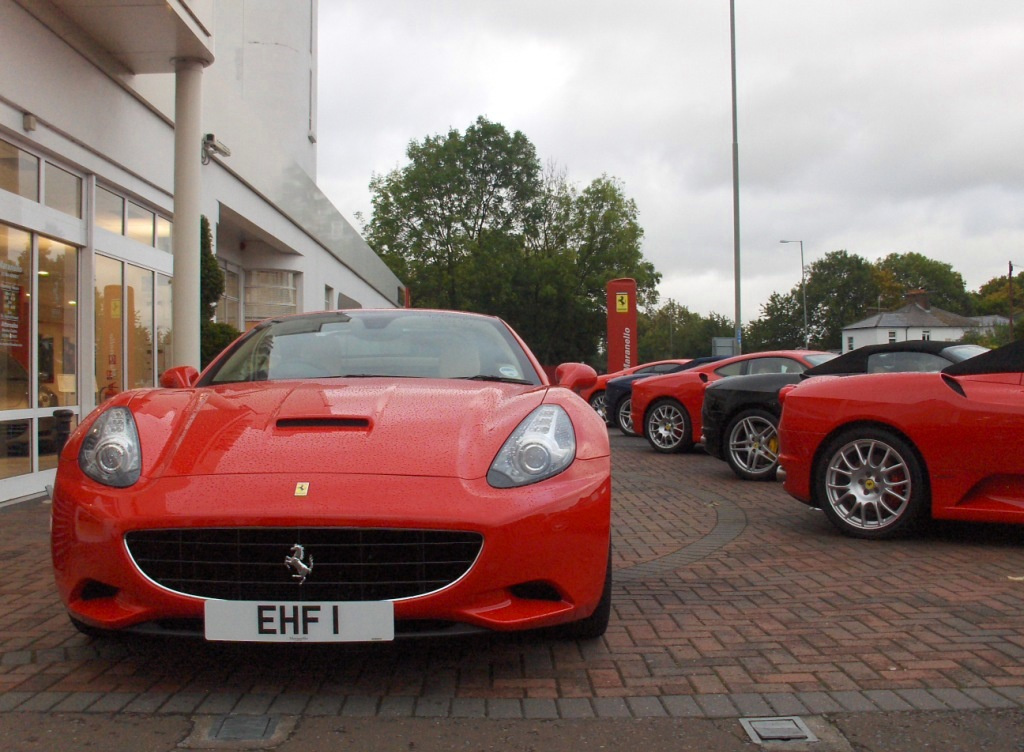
x,y
330,422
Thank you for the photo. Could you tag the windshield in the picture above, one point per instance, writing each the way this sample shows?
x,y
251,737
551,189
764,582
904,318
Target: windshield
x,y
401,343
956,353
818,358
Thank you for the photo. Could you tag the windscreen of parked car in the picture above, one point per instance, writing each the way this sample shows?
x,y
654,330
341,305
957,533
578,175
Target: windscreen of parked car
x,y
394,344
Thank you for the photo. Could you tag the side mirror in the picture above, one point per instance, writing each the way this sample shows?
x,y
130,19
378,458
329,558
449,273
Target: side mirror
x,y
575,376
179,377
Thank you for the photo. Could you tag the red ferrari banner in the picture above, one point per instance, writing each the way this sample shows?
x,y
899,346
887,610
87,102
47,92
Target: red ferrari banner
x,y
622,339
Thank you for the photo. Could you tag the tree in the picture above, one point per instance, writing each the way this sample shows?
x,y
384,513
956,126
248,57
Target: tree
x,y
674,331
472,223
840,291
213,336
430,216
780,326
899,273
993,297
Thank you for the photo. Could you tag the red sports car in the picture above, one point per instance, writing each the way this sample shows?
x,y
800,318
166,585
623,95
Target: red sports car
x,y
595,394
880,452
342,476
668,408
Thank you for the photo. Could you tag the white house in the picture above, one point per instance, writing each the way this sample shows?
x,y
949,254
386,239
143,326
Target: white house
x,y
121,123
917,319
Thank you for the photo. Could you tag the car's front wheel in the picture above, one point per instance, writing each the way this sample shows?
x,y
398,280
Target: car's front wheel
x,y
600,405
624,416
752,445
871,484
667,427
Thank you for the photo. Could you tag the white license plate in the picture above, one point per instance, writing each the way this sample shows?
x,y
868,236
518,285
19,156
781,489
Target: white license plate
x,y
258,621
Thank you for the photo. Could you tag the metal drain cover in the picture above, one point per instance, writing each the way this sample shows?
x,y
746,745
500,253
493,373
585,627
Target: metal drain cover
x,y
777,729
243,727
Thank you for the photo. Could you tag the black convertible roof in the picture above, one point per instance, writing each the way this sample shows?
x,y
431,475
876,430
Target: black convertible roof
x,y
856,361
1007,359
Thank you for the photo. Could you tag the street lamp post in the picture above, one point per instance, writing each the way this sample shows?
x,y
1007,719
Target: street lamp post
x,y
803,289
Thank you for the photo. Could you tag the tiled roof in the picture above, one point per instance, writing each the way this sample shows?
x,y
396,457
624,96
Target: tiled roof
x,y
913,314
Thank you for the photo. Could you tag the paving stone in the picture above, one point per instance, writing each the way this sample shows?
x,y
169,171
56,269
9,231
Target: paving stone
x,y
575,707
504,708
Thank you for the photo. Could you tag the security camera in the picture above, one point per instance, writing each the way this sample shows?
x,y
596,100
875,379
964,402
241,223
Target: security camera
x,y
211,144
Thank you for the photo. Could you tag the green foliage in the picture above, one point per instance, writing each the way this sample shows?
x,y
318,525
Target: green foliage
x,y
213,338
781,325
840,291
211,276
472,223
843,288
674,331
899,273
994,297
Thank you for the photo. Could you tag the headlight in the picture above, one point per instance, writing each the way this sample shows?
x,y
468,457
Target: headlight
x,y
110,453
544,444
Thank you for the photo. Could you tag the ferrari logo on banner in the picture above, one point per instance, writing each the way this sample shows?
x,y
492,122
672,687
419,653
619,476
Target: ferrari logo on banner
x,y
620,307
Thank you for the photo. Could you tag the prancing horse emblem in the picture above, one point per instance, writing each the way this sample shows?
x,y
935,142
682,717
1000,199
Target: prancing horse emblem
x,y
300,570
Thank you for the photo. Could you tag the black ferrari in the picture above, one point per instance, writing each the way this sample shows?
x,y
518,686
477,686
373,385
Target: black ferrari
x,y
741,414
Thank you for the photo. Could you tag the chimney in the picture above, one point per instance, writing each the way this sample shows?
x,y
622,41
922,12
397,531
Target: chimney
x,y
918,298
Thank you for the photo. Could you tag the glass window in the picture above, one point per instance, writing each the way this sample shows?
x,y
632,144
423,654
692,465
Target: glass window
x,y
109,211
53,433
849,344
109,337
328,297
775,365
19,171
733,369
63,191
58,324
140,223
15,354
15,316
228,307
892,336
139,286
163,323
163,234
15,436
269,294
926,335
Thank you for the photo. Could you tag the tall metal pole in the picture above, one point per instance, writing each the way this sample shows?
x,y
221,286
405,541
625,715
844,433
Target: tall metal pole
x,y
1011,301
803,289
735,180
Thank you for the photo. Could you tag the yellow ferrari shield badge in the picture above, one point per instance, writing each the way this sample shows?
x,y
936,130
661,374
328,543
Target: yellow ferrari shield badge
x,y
301,489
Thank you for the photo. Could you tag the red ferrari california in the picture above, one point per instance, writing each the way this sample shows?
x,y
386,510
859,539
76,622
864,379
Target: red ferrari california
x,y
880,452
342,476
669,407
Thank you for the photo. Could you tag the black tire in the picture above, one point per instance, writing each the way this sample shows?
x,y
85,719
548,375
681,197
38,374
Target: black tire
x,y
751,445
623,418
667,427
597,401
871,484
595,625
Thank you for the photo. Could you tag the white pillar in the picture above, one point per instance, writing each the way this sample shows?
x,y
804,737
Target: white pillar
x,y
188,135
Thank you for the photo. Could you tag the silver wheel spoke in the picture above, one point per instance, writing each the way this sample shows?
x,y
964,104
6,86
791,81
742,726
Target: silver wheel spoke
x,y
867,483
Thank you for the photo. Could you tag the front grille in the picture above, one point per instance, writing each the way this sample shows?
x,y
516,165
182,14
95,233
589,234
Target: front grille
x,y
348,564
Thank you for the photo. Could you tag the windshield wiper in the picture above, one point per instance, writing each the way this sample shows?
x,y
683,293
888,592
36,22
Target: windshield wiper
x,y
497,379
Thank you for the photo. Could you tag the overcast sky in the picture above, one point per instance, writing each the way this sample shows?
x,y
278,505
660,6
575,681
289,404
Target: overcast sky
x,y
874,126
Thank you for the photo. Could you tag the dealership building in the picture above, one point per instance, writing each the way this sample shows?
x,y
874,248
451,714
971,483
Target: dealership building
x,y
122,123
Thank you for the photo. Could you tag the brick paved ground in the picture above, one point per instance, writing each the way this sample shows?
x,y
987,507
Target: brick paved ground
x,y
731,600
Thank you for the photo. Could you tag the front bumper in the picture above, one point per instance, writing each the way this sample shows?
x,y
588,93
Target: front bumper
x,y
543,560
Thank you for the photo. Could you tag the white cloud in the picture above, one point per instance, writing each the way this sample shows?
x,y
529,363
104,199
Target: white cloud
x,y
865,125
